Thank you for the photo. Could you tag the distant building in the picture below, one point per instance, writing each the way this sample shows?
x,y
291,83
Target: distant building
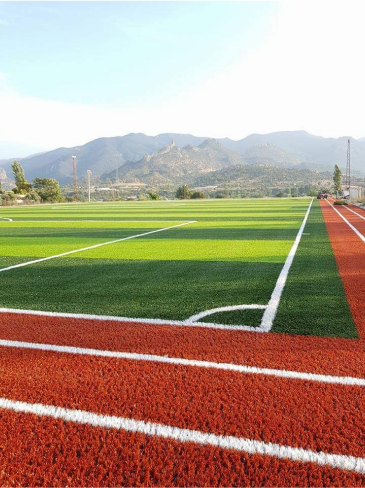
x,y
356,192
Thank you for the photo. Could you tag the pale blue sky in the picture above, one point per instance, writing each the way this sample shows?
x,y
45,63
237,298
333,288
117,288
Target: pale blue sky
x,y
117,52
71,72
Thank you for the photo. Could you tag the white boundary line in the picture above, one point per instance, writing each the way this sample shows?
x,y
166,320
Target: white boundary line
x,y
272,307
347,222
92,247
238,368
6,218
101,221
192,321
250,446
111,318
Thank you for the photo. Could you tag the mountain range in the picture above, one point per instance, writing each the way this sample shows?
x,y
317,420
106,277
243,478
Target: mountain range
x,y
142,157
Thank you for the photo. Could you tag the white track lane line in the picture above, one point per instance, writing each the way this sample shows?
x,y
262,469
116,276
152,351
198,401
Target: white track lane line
x,y
238,368
353,211
92,247
250,446
272,307
347,222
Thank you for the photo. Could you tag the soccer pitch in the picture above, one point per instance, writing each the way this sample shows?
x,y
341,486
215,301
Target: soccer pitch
x,y
175,260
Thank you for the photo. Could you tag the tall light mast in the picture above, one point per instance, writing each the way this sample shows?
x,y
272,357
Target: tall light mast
x,y
89,173
348,168
76,188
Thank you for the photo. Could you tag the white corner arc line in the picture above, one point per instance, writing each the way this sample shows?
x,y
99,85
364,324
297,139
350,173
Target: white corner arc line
x,y
347,222
6,218
230,308
272,306
93,247
238,368
250,446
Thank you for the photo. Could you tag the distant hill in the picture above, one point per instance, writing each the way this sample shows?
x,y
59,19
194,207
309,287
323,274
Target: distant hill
x,y
175,165
262,177
285,149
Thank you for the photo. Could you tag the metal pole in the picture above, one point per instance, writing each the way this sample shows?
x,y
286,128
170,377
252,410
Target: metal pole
x,y
88,181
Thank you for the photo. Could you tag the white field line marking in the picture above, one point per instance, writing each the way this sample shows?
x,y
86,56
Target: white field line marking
x,y
6,218
353,211
132,320
272,306
93,247
238,368
348,223
250,446
198,316
60,221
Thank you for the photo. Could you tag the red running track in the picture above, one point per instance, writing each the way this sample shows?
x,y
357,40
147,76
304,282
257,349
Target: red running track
x,y
349,251
311,415
46,452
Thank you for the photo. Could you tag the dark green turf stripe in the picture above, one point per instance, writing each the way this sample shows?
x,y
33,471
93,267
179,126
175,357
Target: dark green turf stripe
x,y
314,300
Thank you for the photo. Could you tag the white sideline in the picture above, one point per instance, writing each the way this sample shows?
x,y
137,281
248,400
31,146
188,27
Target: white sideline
x,y
347,222
92,247
272,307
102,221
238,368
250,446
112,318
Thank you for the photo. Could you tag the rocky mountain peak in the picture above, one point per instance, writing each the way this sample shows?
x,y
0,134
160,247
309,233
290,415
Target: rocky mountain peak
x,y
167,148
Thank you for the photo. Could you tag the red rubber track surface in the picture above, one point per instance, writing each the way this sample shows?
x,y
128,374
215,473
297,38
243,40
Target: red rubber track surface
x,y
68,454
311,415
309,354
349,252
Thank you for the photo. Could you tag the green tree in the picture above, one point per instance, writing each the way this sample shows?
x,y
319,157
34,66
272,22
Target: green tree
x,y
22,186
183,192
153,196
1,188
337,178
198,194
48,189
8,198
32,197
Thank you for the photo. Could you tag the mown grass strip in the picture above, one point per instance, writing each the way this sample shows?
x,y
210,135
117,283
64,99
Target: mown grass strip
x,y
314,300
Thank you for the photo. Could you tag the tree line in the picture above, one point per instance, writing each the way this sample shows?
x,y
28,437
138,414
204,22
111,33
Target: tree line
x,y
41,190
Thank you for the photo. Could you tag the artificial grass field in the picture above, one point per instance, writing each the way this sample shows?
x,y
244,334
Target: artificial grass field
x,y
232,254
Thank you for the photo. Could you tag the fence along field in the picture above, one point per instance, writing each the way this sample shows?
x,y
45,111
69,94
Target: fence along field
x,y
87,402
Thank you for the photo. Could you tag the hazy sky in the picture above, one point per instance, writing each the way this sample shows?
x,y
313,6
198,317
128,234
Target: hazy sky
x,y
74,71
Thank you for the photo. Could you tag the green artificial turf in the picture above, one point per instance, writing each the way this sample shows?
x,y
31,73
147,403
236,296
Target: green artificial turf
x,y
314,300
232,255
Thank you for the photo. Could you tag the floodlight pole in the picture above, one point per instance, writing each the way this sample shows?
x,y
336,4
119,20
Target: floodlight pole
x,y
89,173
76,190
348,168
